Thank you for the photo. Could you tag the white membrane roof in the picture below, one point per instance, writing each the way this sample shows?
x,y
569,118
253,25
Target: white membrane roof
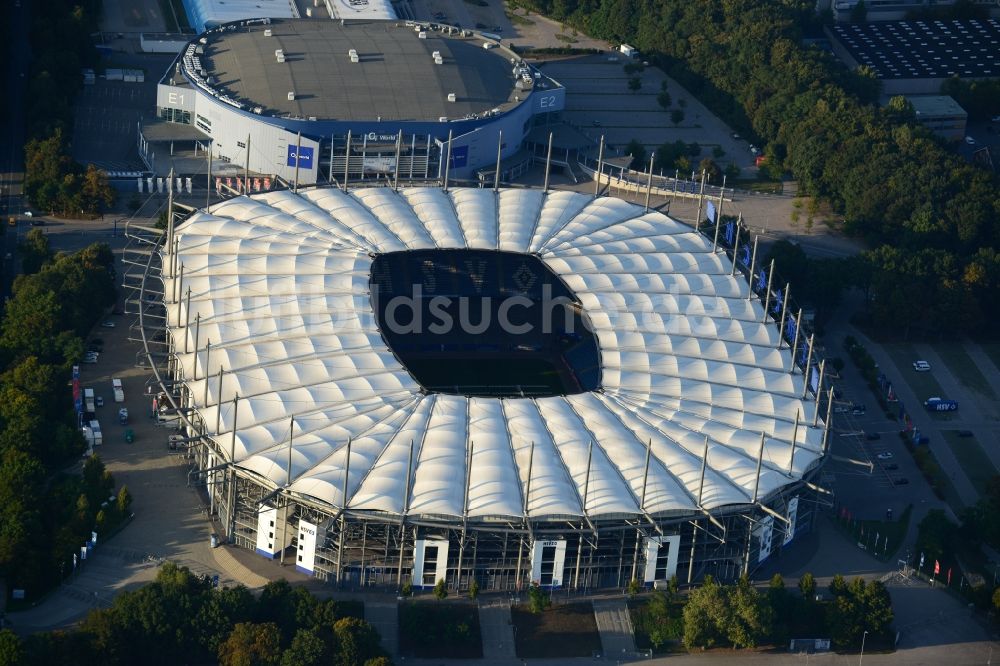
x,y
279,288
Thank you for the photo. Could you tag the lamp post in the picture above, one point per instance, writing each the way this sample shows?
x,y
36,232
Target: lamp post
x,y
863,637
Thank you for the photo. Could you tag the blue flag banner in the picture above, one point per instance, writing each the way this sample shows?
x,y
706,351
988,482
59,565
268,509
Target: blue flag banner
x,y
803,353
745,257
814,380
730,230
710,211
778,298
761,280
790,329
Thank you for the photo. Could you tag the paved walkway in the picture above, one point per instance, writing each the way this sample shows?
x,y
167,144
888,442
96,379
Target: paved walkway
x,y
497,629
384,616
615,626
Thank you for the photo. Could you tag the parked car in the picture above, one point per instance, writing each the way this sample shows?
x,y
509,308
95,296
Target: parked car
x,y
885,455
969,140
99,401
107,324
890,467
858,410
872,436
900,481
921,366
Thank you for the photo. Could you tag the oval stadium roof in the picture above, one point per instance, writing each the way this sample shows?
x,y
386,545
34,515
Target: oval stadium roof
x,y
279,286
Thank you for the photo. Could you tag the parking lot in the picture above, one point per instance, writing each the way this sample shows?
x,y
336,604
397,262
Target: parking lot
x,y
599,102
107,114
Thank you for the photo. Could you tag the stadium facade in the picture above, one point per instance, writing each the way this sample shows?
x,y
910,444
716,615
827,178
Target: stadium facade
x,y
689,452
311,101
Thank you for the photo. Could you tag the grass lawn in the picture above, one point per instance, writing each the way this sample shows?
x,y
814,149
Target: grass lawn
x,y
764,186
440,629
974,461
966,370
895,530
924,384
569,630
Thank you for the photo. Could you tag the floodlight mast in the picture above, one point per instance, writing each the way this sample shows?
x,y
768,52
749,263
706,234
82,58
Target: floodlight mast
x,y
600,168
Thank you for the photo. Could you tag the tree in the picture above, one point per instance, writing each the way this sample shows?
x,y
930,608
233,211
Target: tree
x,y
123,501
677,116
357,642
634,84
440,589
751,617
859,12
11,650
660,620
807,585
307,649
538,599
34,251
46,164
251,645
838,586
935,536
96,192
638,154
711,169
379,661
705,614
633,588
664,100
474,589
407,589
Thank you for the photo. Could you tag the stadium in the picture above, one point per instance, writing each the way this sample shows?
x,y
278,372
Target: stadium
x,y
317,101
618,403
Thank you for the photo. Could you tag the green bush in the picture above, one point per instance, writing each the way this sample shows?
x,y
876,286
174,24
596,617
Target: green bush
x,y
538,599
440,590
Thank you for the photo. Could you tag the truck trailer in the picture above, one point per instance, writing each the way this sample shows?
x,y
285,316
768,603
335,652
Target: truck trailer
x,y
116,385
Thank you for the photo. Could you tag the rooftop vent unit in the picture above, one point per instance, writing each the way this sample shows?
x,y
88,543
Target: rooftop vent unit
x,y
452,97
355,58
443,119
436,55
291,96
438,61
258,110
422,35
267,33
279,55
352,52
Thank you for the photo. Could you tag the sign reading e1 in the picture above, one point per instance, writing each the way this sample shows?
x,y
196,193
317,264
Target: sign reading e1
x,y
305,156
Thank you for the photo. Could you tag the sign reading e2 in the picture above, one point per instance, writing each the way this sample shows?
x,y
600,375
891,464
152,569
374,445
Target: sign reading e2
x,y
547,102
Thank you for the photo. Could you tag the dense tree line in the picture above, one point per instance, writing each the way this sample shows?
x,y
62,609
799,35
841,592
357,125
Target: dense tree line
x,y
743,616
181,619
61,46
931,216
45,516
